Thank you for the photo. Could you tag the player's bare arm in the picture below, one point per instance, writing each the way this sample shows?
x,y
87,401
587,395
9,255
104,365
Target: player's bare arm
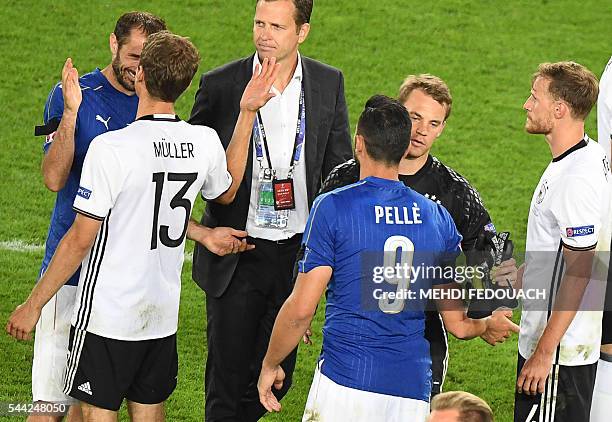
x,y
493,329
67,258
256,95
292,321
58,159
533,377
219,240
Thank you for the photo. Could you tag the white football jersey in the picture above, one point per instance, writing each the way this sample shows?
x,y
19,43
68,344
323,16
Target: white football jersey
x,y
570,208
604,109
141,182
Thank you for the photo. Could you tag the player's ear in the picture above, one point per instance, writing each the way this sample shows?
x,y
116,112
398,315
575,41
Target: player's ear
x,y
114,44
139,74
560,109
359,144
303,32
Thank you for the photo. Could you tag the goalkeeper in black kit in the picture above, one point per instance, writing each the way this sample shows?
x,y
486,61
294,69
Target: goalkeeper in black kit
x,y
429,101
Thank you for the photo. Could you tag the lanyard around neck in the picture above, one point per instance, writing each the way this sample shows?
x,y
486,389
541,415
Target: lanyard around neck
x,y
259,135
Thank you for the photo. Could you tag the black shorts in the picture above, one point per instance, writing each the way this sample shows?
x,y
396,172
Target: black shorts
x,y
567,396
103,371
606,327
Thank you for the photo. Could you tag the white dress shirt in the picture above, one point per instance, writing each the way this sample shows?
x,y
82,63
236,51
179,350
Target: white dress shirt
x,y
279,118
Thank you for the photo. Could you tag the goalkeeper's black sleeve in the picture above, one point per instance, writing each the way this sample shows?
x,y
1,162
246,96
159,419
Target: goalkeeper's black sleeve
x,y
342,175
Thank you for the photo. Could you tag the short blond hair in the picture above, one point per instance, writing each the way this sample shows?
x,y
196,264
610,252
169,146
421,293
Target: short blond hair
x,y
471,408
572,83
431,85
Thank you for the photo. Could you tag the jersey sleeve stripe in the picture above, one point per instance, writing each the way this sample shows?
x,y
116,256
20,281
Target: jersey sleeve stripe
x,y
95,261
575,248
51,99
87,214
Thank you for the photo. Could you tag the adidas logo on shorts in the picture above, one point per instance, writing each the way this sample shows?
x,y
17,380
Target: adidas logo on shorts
x,y
85,387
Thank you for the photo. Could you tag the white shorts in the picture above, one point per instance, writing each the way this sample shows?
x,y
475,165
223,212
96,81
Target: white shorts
x,y
51,347
331,402
601,408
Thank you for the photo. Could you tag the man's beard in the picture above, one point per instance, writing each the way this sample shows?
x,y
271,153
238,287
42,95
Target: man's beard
x,y
118,70
538,127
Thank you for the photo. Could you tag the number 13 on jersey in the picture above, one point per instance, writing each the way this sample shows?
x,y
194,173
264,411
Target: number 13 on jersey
x,y
178,201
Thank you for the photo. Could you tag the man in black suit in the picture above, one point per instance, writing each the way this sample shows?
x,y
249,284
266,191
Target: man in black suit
x,y
283,171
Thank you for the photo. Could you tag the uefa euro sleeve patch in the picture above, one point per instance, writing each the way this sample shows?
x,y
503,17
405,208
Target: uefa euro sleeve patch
x,y
86,193
579,231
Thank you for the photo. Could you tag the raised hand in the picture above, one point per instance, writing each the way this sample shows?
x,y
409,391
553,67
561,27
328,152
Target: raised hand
x,y
70,88
257,92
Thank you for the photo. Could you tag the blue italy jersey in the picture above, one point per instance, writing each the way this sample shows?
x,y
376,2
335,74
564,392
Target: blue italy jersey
x,y
103,108
381,239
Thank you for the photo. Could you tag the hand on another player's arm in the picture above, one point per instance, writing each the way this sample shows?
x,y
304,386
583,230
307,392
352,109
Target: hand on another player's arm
x,y
67,258
58,159
220,240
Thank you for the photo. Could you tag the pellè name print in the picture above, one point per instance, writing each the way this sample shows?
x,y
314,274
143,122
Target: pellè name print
x,y
398,215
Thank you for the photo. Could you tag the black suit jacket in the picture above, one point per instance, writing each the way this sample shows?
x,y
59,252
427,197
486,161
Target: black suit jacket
x,y
328,143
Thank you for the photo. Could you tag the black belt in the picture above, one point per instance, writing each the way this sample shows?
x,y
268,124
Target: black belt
x,y
295,239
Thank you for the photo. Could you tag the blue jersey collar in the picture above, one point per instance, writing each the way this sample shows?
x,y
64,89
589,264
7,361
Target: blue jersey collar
x,y
106,83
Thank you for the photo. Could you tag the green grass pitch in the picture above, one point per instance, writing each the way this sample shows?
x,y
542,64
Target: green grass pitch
x,y
485,50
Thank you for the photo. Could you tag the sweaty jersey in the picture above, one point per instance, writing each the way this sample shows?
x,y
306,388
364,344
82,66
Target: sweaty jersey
x,y
141,182
372,342
103,108
570,208
439,183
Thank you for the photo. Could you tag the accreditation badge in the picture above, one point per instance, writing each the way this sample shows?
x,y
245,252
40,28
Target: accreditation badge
x,y
283,194
267,215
